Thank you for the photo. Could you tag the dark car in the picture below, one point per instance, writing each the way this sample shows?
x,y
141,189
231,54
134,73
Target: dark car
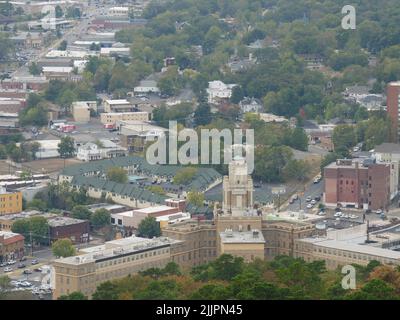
x,y
22,259
317,198
21,265
27,271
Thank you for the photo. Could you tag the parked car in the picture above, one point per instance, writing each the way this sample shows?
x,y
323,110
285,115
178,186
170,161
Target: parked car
x,y
321,213
379,211
317,198
309,206
22,259
8,269
313,202
308,199
21,265
4,264
27,271
338,214
34,261
10,262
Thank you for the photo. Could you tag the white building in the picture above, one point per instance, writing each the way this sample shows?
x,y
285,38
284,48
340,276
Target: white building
x,y
217,90
118,11
48,149
107,149
250,105
146,86
106,52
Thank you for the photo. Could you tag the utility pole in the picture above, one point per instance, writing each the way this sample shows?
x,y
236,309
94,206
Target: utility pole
x,y
30,237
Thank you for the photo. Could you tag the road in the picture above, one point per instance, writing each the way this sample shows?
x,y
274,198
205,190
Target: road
x,y
312,190
70,35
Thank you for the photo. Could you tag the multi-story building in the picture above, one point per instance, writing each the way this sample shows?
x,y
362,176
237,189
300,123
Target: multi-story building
x,y
76,230
217,91
393,108
105,149
11,246
113,117
121,105
113,260
7,221
81,110
363,184
238,189
10,202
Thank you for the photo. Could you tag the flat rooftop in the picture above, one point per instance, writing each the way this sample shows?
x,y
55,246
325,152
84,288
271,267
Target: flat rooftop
x,y
64,221
254,236
351,247
116,248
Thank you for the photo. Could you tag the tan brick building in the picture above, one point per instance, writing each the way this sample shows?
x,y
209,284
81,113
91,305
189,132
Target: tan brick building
x,y
113,260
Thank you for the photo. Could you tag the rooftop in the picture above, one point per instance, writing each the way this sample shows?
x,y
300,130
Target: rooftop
x,y
116,248
230,236
388,148
64,221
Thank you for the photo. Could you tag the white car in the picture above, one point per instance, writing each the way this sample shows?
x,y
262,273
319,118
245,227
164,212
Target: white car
x,y
353,216
8,269
313,202
12,262
321,213
308,199
309,206
338,214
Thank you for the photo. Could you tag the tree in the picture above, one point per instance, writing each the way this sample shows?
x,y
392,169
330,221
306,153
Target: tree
x,y
156,189
237,94
117,174
100,218
149,228
34,69
296,169
195,198
226,267
106,291
202,114
63,45
77,295
59,12
37,204
5,285
63,248
185,175
375,289
81,212
343,137
66,148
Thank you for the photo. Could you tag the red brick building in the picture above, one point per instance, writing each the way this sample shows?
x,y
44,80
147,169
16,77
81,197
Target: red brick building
x,y
74,229
392,102
360,184
11,246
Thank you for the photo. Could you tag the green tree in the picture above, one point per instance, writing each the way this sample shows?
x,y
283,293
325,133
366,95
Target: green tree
x,y
63,45
77,295
185,175
149,228
100,218
34,69
375,289
5,285
106,291
63,248
81,212
117,174
343,137
66,147
196,198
